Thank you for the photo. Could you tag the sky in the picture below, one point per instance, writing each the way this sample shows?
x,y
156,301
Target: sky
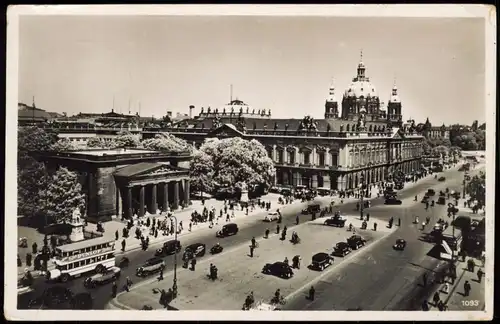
x,y
157,64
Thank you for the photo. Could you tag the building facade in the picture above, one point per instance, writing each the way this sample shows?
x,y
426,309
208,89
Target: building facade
x,y
368,142
126,182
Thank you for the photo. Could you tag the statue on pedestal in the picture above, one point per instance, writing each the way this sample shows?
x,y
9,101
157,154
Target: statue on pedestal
x,y
77,231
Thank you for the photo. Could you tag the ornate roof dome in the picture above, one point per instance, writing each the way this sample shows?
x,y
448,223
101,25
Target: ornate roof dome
x,y
394,96
361,88
331,96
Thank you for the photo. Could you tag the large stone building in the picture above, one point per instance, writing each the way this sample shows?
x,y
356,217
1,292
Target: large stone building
x,y
125,182
368,141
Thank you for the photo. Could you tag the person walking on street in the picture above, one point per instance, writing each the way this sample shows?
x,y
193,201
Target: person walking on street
x,y
267,233
480,273
251,250
297,220
312,291
34,248
277,229
436,299
399,222
117,235
424,278
114,288
467,288
254,242
425,306
29,257
375,226
160,278
123,245
193,264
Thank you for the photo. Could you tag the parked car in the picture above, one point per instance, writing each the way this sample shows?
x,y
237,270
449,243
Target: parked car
x,y
196,250
123,262
150,266
315,208
341,249
356,241
441,179
400,245
271,216
324,192
279,269
337,221
321,260
392,201
227,230
430,192
275,189
169,247
102,278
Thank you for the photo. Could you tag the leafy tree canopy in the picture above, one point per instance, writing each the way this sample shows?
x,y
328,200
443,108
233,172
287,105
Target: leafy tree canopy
x,y
167,142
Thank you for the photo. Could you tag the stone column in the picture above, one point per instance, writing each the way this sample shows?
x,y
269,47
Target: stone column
x,y
186,192
315,181
129,212
118,203
175,205
326,181
275,158
154,204
141,201
165,196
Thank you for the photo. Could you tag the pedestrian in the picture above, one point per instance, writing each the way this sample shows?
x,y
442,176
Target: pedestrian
x,y
251,251
227,218
312,291
297,220
425,306
424,278
114,288
480,273
19,262
190,226
34,248
277,229
117,236
436,299
368,217
123,245
193,264
467,288
254,242
267,233
375,226
161,275
156,233
29,258
445,288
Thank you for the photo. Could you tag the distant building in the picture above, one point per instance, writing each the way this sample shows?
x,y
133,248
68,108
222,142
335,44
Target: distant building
x,y
434,132
31,115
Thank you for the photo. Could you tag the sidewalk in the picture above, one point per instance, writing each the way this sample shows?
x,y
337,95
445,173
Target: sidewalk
x,y
455,298
239,274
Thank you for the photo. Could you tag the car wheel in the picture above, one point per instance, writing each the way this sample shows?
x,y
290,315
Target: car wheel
x,y
64,277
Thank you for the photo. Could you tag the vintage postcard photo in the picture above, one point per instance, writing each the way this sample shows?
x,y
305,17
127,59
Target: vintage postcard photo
x,y
242,162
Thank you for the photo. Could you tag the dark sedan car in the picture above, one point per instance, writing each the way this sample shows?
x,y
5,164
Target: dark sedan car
x,y
392,201
441,179
279,269
337,221
195,250
400,245
430,192
321,260
341,249
356,241
169,247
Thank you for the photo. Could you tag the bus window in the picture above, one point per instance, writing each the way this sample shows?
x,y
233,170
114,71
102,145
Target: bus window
x,y
70,266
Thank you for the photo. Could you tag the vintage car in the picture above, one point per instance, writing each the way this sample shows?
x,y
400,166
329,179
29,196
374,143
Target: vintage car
x,y
337,221
279,269
82,300
441,179
356,241
321,260
123,262
260,306
169,247
400,245
341,249
195,250
102,278
315,208
323,192
150,266
392,201
430,192
271,216
227,230
52,298
441,200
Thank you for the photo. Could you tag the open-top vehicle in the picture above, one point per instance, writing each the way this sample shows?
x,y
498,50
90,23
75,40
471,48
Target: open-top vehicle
x,y
150,266
104,277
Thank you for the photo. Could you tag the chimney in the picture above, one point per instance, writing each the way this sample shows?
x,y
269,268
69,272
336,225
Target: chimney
x,y
191,107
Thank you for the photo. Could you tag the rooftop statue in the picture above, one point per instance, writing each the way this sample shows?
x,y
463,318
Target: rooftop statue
x,y
202,110
247,109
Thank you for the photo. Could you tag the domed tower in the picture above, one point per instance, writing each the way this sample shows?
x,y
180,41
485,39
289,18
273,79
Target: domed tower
x,y
360,96
394,107
331,104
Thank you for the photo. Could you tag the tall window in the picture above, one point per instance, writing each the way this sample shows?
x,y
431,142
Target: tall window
x,y
321,158
291,157
270,154
280,157
307,157
334,158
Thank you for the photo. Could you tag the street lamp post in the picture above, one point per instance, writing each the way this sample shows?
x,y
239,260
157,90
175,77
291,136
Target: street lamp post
x,y
361,196
174,286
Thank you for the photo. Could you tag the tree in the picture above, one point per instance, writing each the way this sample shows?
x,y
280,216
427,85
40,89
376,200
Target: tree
x,y
474,125
167,142
64,145
476,188
62,196
440,151
126,139
202,171
236,161
31,139
96,143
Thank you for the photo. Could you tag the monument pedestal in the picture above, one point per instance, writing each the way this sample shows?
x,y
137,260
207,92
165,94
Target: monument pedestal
x,y
77,232
244,196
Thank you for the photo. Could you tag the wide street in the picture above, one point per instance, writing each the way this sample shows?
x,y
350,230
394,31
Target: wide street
x,y
254,226
386,279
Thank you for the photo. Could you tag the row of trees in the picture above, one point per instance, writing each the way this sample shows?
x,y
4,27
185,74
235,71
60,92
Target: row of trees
x,y
53,195
476,188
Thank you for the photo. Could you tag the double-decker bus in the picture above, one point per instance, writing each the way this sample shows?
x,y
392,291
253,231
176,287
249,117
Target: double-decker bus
x,y
72,260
